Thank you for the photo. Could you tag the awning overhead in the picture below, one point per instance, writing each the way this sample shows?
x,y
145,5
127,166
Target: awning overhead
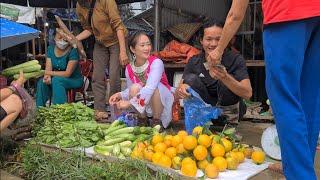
x,y
13,33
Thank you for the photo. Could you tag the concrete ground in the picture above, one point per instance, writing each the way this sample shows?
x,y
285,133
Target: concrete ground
x,y
6,176
251,133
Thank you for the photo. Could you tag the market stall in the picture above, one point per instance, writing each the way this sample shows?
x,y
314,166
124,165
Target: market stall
x,y
197,151
201,153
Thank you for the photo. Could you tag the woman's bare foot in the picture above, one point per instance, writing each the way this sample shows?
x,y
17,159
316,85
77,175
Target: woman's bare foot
x,y
276,167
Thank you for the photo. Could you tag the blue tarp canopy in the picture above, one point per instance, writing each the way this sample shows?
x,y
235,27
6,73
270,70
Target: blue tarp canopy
x,y
13,33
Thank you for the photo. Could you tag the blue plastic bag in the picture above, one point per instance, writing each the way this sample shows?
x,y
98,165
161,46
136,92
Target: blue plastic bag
x,y
197,112
129,119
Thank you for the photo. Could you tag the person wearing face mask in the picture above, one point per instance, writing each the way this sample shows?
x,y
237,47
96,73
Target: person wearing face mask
x,y
148,90
62,72
224,89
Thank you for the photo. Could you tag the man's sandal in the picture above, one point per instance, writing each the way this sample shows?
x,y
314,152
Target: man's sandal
x,y
101,116
276,167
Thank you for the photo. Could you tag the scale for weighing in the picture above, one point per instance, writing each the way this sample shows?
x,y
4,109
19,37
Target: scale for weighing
x,y
270,143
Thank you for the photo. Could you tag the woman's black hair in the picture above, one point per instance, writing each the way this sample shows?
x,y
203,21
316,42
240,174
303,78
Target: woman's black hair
x,y
133,38
210,23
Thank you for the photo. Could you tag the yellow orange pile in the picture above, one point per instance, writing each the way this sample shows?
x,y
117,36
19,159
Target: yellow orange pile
x,y
187,153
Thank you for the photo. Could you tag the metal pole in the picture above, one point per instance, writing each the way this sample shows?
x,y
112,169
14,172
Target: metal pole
x,y
38,27
34,48
45,30
254,29
69,15
157,25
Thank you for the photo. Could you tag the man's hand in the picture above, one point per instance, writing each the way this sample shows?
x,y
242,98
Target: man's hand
x,y
123,105
123,57
115,98
218,72
181,92
47,79
215,57
21,80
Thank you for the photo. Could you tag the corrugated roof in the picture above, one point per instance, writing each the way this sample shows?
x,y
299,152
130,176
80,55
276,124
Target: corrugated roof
x,y
184,11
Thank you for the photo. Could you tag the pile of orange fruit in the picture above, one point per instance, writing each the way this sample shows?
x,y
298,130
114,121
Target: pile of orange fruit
x,y
187,153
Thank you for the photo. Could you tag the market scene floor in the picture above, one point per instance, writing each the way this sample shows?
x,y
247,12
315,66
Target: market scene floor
x,y
251,133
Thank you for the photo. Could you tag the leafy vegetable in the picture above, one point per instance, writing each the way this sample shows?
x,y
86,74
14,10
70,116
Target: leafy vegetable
x,y
67,125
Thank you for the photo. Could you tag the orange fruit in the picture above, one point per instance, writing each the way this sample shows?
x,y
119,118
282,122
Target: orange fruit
x,y
248,152
168,137
227,144
189,142
202,164
136,153
176,163
167,140
258,157
213,143
180,149
233,155
232,163
150,147
176,140
141,145
147,154
165,161
240,156
211,136
220,162
182,134
160,147
187,160
217,150
204,140
158,138
171,152
189,169
200,152
197,130
211,171
156,157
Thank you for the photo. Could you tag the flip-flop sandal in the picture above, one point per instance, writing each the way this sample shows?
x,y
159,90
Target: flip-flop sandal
x,y
101,116
276,167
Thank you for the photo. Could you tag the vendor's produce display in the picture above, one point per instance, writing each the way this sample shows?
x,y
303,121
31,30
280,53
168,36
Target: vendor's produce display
x,y
211,153
119,139
68,125
73,125
31,69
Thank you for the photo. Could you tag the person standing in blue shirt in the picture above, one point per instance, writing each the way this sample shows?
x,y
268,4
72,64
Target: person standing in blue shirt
x,y
62,72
